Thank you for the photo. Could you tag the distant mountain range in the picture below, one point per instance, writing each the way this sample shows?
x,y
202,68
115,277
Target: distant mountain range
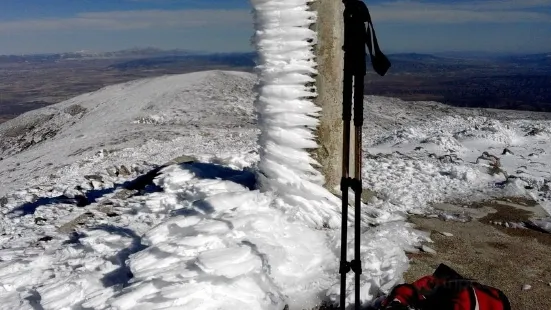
x,y
154,57
401,62
460,79
225,59
88,55
469,59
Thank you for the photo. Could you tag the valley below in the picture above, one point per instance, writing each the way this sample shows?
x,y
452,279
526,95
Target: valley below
x,y
521,82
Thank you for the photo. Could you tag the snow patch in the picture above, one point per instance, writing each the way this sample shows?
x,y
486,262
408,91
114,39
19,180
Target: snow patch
x,y
228,247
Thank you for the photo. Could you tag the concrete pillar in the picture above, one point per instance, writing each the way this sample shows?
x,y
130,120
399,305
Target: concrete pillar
x,y
329,56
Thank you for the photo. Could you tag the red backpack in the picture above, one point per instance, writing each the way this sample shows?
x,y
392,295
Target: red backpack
x,y
445,289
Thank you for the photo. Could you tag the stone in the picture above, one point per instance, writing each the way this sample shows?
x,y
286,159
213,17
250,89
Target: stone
x,y
95,177
96,184
113,171
45,238
124,171
428,250
507,151
124,194
39,220
368,195
182,160
86,186
534,132
3,201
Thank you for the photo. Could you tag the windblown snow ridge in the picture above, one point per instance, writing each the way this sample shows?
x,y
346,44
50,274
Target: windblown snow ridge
x,y
287,115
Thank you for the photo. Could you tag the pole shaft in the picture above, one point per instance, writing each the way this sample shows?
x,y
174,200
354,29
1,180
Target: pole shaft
x,y
356,38
358,123
347,117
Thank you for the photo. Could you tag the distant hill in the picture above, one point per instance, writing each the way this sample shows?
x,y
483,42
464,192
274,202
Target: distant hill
x,y
150,57
416,57
228,59
88,55
530,59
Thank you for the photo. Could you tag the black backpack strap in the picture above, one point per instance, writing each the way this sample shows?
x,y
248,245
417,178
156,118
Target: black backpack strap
x,y
505,300
444,271
380,62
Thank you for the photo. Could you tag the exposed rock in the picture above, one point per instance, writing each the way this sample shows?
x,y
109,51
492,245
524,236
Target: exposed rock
x,y
124,171
428,250
108,210
367,195
37,139
181,160
447,234
45,239
86,186
526,287
39,220
72,192
74,110
108,184
124,194
113,171
137,169
95,177
507,151
534,132
96,185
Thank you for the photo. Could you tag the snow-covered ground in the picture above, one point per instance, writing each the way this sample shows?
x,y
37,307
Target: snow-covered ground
x,y
438,152
78,231
200,113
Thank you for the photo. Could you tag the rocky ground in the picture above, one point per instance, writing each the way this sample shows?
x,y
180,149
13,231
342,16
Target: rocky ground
x,y
512,259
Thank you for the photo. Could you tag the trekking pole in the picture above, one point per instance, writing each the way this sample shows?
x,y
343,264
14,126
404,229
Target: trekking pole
x,y
356,38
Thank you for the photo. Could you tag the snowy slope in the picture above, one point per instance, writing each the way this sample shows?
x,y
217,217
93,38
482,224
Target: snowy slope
x,y
202,236
113,122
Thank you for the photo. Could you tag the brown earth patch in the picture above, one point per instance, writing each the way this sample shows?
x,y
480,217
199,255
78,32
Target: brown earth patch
x,y
505,258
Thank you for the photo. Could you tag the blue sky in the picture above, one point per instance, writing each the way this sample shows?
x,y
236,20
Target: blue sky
x,y
29,26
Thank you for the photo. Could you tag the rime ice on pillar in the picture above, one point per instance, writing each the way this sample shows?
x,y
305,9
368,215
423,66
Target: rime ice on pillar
x,y
287,116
